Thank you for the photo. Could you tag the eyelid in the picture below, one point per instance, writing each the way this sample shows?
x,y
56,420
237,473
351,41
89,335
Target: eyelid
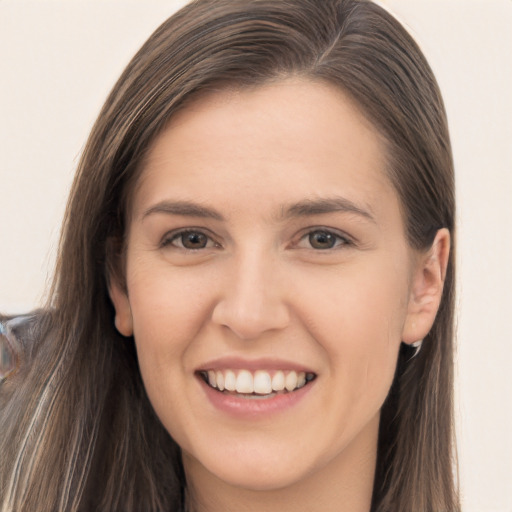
x,y
170,236
346,239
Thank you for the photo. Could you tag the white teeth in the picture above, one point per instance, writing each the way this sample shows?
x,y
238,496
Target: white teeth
x,y
290,383
220,380
262,383
244,382
230,380
258,383
278,381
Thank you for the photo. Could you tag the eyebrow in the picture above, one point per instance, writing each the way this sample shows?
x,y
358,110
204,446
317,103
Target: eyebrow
x,y
311,207
306,208
183,208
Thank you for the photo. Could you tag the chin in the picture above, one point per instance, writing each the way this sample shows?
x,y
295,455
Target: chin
x,y
262,478
266,471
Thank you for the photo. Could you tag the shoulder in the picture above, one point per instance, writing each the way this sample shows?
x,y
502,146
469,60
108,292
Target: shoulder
x,y
17,337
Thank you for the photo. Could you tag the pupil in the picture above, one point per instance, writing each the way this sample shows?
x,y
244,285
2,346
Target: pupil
x,y
321,240
194,240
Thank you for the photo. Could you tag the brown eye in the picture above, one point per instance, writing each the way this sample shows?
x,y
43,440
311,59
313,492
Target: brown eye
x,y
194,240
322,240
190,240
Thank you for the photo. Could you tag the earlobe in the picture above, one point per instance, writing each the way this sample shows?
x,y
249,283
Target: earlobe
x,y
123,319
427,289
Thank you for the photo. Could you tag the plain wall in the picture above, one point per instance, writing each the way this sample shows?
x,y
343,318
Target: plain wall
x,y
60,58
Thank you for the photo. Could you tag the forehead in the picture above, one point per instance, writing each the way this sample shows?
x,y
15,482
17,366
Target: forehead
x,y
294,138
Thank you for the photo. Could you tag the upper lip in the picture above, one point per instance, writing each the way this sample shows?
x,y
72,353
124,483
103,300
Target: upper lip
x,y
238,363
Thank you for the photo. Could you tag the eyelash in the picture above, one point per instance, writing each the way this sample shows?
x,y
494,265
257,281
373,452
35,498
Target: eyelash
x,y
169,238
339,239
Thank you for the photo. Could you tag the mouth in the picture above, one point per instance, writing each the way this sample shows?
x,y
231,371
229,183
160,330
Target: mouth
x,y
259,384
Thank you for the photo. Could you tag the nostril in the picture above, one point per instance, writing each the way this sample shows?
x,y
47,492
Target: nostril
x,y
249,323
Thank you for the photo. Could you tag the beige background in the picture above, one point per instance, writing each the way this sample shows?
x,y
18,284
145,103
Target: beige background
x,y
59,59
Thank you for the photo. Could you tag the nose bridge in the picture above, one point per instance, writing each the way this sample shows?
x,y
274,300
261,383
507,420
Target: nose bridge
x,y
252,300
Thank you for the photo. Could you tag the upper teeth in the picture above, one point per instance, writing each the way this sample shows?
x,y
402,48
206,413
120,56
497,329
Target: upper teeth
x,y
260,382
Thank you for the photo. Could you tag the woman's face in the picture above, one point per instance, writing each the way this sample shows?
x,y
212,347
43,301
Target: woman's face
x,y
266,249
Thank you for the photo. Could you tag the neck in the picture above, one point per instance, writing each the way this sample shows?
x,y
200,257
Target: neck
x,y
345,484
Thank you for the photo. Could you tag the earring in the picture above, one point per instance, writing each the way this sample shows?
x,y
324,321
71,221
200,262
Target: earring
x,y
417,347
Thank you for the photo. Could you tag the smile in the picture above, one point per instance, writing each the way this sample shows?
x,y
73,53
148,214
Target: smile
x,y
258,383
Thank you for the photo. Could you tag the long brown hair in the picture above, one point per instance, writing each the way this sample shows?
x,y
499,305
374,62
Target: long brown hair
x,y
77,429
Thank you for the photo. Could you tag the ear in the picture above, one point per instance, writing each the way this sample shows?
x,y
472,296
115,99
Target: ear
x,y
426,288
119,297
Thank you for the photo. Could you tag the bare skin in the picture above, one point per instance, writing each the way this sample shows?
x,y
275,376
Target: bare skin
x,y
265,232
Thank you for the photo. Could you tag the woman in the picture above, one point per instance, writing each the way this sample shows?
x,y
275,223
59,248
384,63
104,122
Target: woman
x,y
258,239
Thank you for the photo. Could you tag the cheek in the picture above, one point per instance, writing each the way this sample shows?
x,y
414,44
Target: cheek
x,y
360,308
357,318
168,311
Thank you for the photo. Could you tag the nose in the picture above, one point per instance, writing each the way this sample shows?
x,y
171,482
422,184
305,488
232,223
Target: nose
x,y
252,301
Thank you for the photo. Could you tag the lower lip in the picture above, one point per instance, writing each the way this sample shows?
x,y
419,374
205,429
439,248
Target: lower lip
x,y
254,407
